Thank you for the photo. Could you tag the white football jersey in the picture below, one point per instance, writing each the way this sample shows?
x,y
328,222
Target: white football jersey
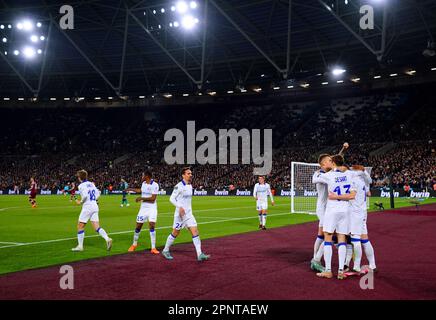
x,y
362,181
182,196
321,189
262,191
89,193
340,183
147,190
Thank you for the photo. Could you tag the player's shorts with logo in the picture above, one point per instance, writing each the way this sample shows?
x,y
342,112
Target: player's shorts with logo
x,y
261,205
147,214
336,221
358,222
89,212
187,221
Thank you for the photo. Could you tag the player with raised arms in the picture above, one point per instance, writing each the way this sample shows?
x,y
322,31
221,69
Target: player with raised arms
x,y
261,192
325,163
88,199
336,217
148,211
181,198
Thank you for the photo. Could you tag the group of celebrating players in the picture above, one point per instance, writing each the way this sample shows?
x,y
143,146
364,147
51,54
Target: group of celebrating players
x,y
342,212
341,209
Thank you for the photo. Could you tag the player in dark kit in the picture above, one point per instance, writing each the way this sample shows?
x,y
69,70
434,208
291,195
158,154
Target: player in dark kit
x,y
73,192
32,196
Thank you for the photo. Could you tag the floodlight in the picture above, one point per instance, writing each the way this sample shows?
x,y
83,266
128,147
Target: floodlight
x,y
193,4
182,6
29,52
176,24
27,25
39,24
338,71
4,40
188,22
42,38
16,52
34,38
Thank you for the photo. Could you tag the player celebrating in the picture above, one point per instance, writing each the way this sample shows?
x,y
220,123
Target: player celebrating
x,y
181,198
325,162
358,219
336,218
32,190
261,192
89,195
123,187
148,211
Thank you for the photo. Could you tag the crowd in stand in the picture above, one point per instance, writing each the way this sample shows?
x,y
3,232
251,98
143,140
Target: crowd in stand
x,y
52,144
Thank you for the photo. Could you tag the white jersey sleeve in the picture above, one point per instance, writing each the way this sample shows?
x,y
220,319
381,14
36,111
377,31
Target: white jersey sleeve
x,y
155,188
255,191
319,177
175,195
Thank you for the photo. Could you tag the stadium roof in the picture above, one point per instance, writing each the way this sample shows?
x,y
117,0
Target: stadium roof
x,y
133,47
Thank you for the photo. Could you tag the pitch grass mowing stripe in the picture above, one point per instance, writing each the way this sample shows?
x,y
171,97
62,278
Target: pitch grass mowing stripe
x,y
129,231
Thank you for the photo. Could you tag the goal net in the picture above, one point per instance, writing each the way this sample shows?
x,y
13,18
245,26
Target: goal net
x,y
303,191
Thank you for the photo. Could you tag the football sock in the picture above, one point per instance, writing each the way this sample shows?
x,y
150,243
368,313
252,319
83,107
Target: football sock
x,y
328,251
102,233
319,240
369,252
357,249
342,251
136,236
169,242
264,219
319,253
260,218
349,254
80,237
197,243
153,238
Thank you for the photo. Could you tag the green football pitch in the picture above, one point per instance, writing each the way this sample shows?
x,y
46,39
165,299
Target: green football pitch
x,y
33,238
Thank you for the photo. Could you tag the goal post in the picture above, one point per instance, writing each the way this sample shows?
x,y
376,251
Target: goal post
x,y
303,191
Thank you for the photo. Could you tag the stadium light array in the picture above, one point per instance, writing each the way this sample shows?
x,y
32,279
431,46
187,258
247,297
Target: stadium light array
x,y
243,90
340,81
6,99
257,90
186,95
230,91
355,80
290,87
433,69
186,17
325,83
52,99
377,77
411,72
26,50
276,88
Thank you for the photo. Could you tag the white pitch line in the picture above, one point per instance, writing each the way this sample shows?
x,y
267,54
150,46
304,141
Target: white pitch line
x,y
3,242
129,231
